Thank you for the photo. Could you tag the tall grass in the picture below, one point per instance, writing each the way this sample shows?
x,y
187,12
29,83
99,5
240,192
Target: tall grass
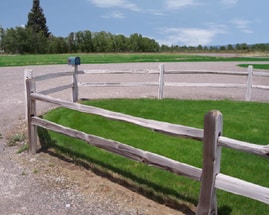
x,y
246,121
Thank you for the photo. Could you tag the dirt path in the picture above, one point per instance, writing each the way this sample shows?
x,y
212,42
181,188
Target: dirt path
x,y
45,184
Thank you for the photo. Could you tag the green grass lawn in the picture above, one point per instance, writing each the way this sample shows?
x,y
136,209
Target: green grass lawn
x,y
256,66
97,58
246,121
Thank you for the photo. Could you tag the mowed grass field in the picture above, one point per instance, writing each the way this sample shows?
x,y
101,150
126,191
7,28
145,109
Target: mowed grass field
x,y
246,121
98,58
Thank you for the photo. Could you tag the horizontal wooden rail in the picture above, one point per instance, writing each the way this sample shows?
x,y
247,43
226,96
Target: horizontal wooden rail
x,y
55,75
260,87
262,150
265,74
133,71
123,84
243,188
162,127
124,150
213,72
147,71
215,85
56,89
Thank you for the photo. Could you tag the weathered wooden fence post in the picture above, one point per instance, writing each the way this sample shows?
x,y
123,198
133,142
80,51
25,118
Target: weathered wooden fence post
x,y
27,74
161,81
213,124
31,111
249,82
75,84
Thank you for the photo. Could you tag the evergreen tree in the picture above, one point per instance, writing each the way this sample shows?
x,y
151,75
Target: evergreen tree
x,y
2,32
37,20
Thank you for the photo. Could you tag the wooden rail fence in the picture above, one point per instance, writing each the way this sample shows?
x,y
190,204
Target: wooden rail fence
x,y
161,84
210,176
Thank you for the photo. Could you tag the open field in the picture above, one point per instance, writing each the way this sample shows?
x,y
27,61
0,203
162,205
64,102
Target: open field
x,y
100,58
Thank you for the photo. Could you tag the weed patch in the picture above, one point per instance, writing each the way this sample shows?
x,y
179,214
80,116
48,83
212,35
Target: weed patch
x,y
18,138
23,148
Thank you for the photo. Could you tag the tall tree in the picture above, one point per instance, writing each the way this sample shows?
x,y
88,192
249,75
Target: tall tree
x,y
2,32
37,20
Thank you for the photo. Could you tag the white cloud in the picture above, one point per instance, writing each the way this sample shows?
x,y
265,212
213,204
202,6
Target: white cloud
x,y
229,2
114,15
242,25
216,27
188,36
156,12
115,3
176,4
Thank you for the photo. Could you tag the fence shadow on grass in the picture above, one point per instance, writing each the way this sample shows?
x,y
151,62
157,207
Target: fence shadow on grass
x,y
130,181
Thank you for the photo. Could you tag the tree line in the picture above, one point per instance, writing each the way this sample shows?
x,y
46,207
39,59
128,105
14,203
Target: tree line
x,y
22,40
35,38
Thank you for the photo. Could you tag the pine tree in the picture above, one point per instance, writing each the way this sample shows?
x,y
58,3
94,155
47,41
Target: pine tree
x,y
37,20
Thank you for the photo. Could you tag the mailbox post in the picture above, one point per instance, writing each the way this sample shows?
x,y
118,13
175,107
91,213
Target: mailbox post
x,y
74,61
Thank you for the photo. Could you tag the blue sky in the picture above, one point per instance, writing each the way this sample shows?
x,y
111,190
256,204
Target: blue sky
x,y
170,22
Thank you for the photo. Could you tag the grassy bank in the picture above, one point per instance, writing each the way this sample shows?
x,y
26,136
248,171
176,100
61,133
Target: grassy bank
x,y
256,66
245,121
98,58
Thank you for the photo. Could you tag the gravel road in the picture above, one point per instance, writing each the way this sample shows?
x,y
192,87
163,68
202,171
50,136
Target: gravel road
x,y
45,184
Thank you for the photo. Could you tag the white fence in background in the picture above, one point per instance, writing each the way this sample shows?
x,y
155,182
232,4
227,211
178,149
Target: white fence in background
x,y
160,83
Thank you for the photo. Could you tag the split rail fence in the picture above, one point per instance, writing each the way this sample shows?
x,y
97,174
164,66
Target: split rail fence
x,y
161,83
209,176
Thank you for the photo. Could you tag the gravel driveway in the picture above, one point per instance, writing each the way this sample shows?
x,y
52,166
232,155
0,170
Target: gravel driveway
x,y
45,184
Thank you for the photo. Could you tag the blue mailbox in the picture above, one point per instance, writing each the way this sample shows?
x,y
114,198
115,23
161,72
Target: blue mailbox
x,y
74,61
